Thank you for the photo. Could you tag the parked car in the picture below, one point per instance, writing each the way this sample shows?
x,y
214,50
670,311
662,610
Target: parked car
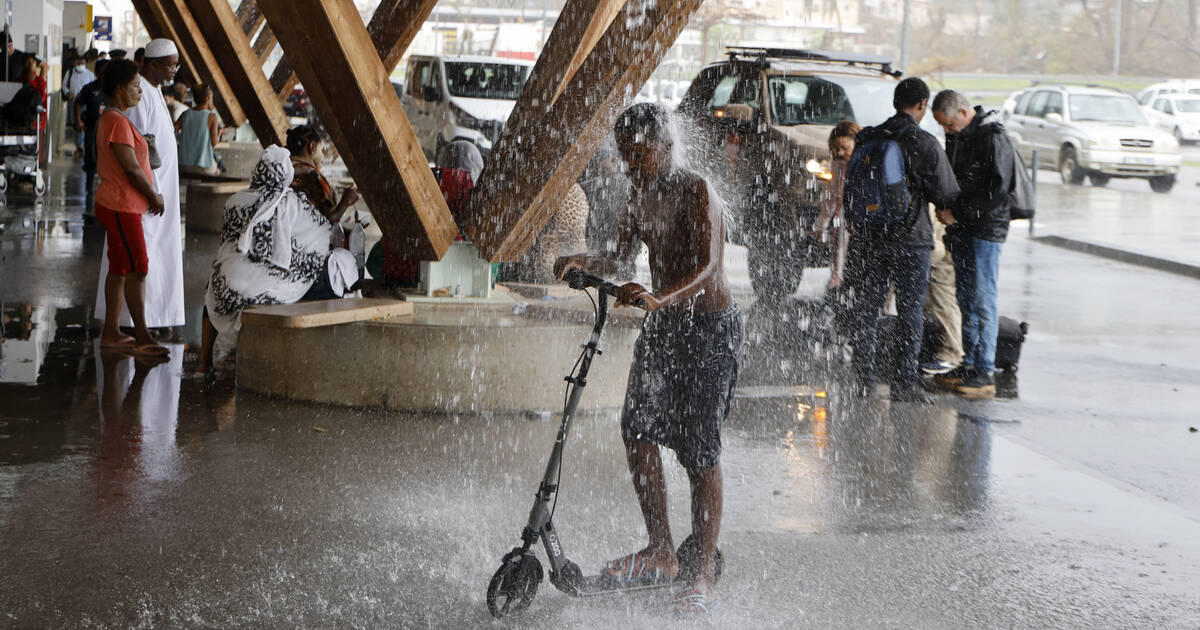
x,y
459,97
1178,115
757,125
1178,86
1093,132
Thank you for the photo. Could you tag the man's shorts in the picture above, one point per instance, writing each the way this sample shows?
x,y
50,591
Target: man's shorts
x,y
681,383
126,241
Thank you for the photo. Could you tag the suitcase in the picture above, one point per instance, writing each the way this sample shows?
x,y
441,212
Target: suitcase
x,y
1008,343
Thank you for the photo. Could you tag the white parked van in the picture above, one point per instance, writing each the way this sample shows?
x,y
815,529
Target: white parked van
x,y
458,97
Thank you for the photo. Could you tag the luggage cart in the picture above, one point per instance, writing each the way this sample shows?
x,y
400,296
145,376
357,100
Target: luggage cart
x,y
20,145
20,148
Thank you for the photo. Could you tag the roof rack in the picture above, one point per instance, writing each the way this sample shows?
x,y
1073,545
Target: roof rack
x,y
762,54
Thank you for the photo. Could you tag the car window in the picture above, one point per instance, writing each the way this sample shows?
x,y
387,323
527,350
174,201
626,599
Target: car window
x,y
808,101
1037,106
1189,105
1168,107
1147,97
1054,104
1023,102
1194,91
500,81
1160,104
419,78
1117,108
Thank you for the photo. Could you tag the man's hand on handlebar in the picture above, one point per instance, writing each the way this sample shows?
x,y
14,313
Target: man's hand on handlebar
x,y
634,294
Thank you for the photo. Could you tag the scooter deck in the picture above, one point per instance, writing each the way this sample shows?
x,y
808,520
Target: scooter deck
x,y
593,585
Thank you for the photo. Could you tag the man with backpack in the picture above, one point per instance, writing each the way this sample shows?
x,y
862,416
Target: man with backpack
x,y
976,226
897,170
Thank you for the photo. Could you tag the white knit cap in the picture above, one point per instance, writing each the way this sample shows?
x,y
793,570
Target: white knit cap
x,y
161,48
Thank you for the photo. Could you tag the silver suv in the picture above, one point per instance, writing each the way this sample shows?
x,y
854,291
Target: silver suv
x,y
1092,132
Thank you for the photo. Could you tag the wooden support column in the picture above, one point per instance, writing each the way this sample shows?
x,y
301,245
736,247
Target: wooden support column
x,y
547,142
159,26
348,83
240,65
393,27
189,37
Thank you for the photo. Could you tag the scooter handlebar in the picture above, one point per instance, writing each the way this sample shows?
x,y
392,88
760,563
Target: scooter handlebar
x,y
579,279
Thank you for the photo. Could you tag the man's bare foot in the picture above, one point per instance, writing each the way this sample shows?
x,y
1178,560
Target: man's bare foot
x,y
116,342
646,566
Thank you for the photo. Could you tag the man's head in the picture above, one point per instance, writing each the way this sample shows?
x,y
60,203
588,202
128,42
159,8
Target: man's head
x,y
911,97
952,111
100,65
91,55
162,61
118,53
643,134
180,90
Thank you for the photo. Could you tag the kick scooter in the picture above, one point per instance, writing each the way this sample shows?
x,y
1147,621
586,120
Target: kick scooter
x,y
515,583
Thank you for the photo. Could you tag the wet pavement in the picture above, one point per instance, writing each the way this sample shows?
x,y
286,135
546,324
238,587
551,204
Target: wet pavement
x,y
131,496
1126,214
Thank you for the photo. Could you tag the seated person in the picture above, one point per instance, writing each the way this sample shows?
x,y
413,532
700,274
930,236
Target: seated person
x,y
199,133
274,249
308,153
565,234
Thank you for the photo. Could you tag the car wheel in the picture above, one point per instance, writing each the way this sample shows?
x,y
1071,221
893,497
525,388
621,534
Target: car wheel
x,y
1068,167
1099,180
1178,135
1162,183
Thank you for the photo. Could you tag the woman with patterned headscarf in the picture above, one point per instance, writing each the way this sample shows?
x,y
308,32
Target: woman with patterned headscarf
x,y
274,247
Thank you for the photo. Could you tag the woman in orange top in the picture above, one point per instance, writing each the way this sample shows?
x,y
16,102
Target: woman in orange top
x,y
124,195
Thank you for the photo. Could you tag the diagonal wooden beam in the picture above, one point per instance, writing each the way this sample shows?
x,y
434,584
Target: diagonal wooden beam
x,y
348,83
264,44
393,27
249,17
599,21
544,148
241,67
189,37
157,25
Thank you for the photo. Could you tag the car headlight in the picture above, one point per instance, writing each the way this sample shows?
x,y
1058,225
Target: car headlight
x,y
1170,144
1103,143
463,119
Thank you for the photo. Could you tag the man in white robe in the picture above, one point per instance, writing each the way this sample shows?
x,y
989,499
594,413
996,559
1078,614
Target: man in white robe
x,y
164,238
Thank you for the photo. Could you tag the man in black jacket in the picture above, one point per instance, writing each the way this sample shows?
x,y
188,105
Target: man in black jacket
x,y
976,226
897,255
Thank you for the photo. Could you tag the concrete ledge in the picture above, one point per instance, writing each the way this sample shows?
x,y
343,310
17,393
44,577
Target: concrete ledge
x,y
324,312
1123,255
448,359
205,209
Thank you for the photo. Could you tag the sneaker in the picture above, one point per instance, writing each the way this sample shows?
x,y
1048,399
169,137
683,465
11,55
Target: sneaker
x,y
978,385
937,367
951,379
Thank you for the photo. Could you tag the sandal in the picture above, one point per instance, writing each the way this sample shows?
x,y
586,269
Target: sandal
x,y
691,603
635,570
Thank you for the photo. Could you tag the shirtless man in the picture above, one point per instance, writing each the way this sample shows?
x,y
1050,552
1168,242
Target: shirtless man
x,y
686,358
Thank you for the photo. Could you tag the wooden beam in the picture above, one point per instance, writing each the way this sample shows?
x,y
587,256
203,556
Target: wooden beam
x,y
241,67
393,27
264,44
159,26
599,22
345,78
189,37
543,149
249,17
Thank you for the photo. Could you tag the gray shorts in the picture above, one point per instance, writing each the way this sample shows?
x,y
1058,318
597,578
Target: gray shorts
x,y
681,383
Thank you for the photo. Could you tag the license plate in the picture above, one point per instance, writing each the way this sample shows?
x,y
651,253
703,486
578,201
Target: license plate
x,y
1147,161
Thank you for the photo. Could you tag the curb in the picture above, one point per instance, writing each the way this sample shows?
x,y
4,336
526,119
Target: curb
x,y
1122,255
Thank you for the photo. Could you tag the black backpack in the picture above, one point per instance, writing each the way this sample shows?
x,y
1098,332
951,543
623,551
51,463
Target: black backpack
x,y
1022,198
21,111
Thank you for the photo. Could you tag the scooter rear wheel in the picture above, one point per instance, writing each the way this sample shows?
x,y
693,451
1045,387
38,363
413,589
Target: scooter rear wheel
x,y
689,556
514,584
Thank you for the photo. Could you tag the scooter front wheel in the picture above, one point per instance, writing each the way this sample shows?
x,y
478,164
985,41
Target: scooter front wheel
x,y
514,584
